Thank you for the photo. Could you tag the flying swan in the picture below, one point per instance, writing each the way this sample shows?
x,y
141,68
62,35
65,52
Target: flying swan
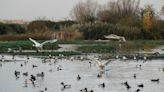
x,y
99,63
39,46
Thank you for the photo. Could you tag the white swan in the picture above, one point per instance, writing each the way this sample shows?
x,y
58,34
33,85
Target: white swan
x,y
116,37
99,63
39,46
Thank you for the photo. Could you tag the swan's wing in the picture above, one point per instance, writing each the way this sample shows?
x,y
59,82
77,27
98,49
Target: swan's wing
x,y
54,40
35,42
107,62
123,38
98,62
49,41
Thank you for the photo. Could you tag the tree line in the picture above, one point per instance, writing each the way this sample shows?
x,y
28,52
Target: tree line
x,y
121,17
91,21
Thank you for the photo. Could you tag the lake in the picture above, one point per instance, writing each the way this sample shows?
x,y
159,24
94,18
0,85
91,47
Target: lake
x,y
116,72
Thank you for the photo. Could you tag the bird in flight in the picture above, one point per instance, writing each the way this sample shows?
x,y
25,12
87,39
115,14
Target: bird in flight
x,y
115,37
99,63
39,46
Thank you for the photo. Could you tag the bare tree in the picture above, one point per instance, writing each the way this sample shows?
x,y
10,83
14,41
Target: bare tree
x,y
85,11
162,10
128,6
119,9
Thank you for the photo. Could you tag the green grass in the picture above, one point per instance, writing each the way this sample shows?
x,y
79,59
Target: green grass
x,y
26,45
126,47
97,48
15,44
81,42
148,42
87,46
45,53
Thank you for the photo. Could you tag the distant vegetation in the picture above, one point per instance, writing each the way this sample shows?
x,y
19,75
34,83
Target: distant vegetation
x,y
84,46
25,45
92,21
46,53
11,29
98,48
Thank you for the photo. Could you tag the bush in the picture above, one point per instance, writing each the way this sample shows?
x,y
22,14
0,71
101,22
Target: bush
x,y
44,25
98,30
11,29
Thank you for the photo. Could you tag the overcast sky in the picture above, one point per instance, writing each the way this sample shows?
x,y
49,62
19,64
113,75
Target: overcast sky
x,y
52,9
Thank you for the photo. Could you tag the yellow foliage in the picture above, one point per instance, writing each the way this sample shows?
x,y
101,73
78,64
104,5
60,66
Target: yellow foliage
x,y
148,18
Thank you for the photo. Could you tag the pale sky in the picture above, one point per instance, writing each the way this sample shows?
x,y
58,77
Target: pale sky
x,y
52,9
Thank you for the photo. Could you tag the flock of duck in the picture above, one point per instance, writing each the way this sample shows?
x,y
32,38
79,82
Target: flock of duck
x,y
91,61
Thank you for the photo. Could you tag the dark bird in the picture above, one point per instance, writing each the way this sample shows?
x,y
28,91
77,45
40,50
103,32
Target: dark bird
x,y
102,85
84,90
155,80
78,77
33,66
137,90
99,76
90,63
91,90
65,86
25,74
59,68
16,73
40,74
134,76
44,90
141,85
127,85
33,78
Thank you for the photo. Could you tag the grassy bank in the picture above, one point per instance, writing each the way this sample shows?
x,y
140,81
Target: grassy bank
x,y
89,46
97,48
45,53
25,45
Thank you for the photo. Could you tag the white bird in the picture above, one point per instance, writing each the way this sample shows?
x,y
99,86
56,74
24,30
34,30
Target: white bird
x,y
99,63
2,59
39,46
145,58
117,56
124,58
116,37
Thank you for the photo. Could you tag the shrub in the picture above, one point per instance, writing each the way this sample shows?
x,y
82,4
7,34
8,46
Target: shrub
x,y
98,30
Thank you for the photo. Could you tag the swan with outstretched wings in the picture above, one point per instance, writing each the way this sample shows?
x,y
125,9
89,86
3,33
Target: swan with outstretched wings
x,y
39,46
115,37
99,63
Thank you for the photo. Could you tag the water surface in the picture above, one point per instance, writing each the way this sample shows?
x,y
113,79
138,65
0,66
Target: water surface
x,y
116,72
